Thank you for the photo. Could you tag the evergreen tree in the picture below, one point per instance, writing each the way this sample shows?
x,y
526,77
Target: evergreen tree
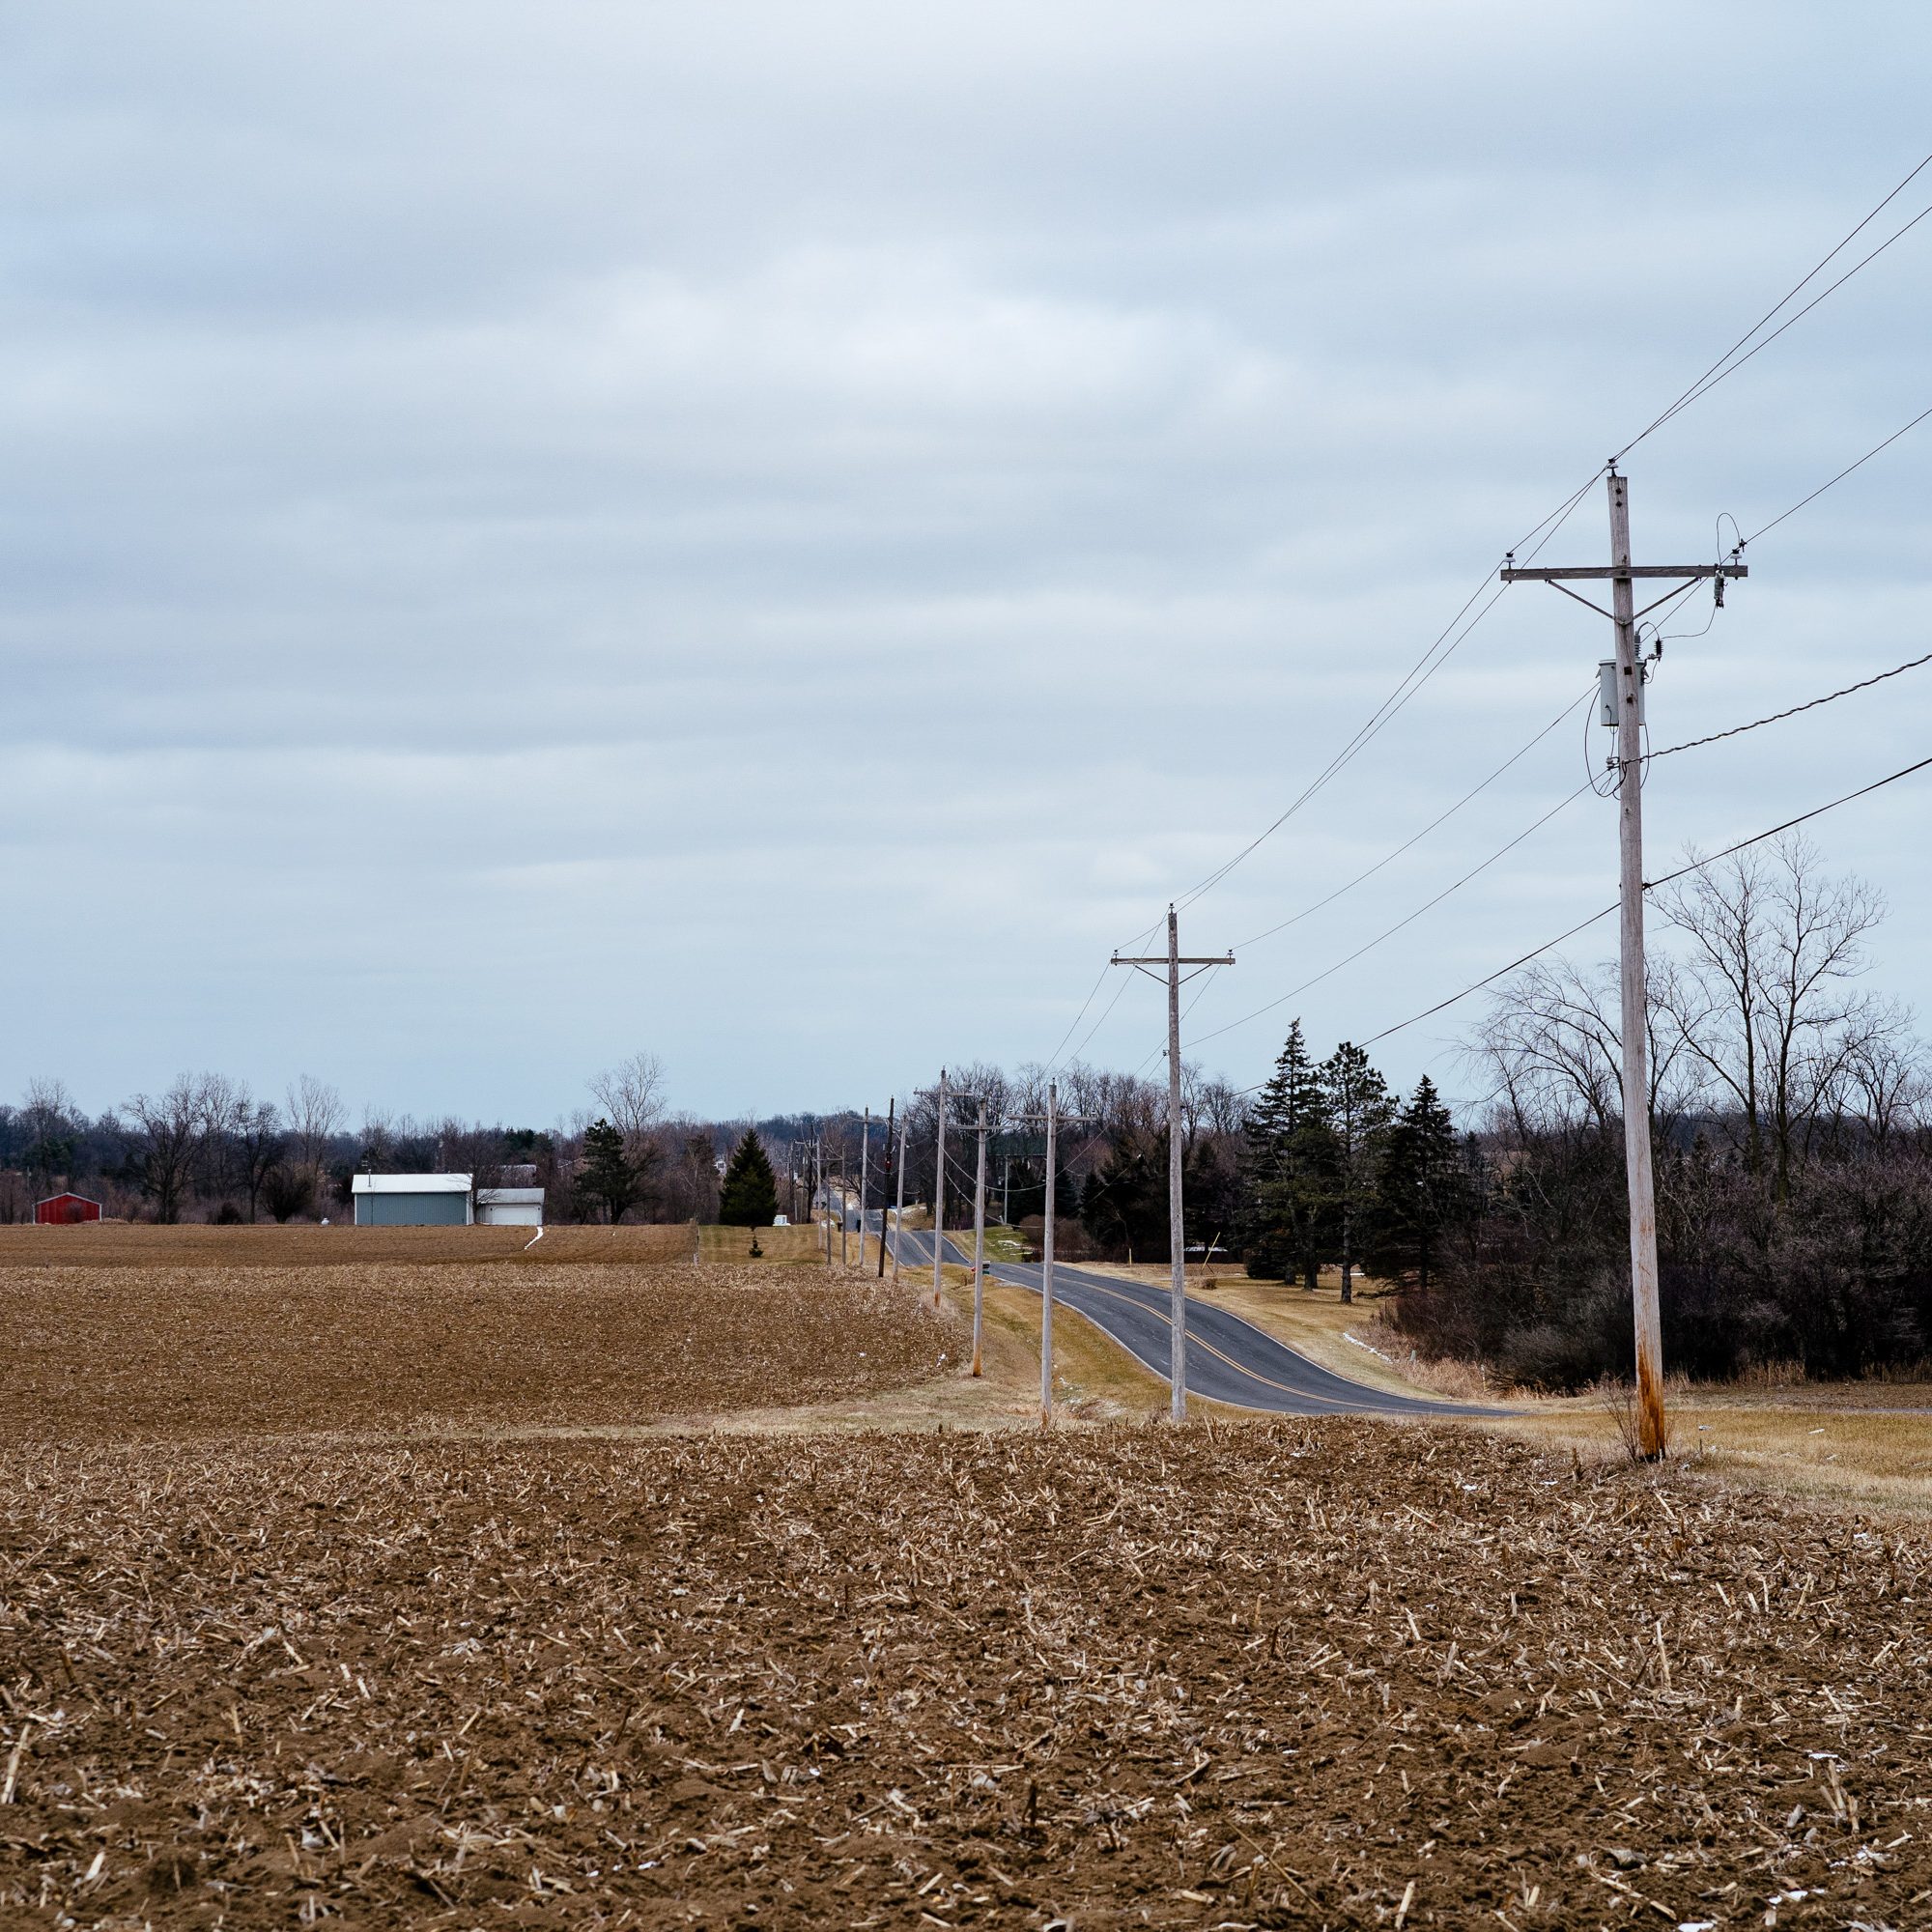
x,y
750,1198
1360,1115
1425,1190
1288,1169
1123,1205
607,1178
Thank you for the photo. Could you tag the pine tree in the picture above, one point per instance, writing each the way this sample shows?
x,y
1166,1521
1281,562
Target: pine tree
x,y
1288,1169
1360,1115
1424,1191
606,1178
750,1197
1123,1205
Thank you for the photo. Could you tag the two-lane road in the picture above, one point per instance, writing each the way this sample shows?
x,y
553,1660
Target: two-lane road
x,y
1228,1359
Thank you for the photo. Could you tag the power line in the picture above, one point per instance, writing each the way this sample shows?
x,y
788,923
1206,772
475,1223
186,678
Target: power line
x,y
1838,478
1447,642
1717,370
1105,1015
1329,972
1725,365
1054,1060
1650,885
1474,791
1811,704
1758,838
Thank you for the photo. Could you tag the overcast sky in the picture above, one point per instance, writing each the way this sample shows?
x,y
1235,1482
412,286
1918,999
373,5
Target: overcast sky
x,y
781,534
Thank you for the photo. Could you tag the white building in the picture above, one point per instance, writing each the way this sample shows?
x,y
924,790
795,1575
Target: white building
x,y
510,1207
441,1201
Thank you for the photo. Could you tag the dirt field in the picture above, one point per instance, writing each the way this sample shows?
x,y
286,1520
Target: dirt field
x,y
342,1578
123,1354
1279,1674
140,1245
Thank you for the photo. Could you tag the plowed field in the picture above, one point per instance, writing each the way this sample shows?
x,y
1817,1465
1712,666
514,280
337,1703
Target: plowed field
x,y
1274,1675
117,1353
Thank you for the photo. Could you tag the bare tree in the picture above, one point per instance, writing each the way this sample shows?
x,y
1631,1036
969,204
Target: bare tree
x,y
1886,1080
259,1143
1769,1009
171,1135
631,1097
50,1132
316,1115
1551,1042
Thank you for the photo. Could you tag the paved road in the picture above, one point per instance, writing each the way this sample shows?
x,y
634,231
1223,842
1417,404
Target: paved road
x,y
1228,1359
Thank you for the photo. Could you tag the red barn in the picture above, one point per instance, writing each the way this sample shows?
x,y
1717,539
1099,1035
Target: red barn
x,y
60,1210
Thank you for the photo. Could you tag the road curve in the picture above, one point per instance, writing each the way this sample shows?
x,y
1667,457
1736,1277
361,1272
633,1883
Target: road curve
x,y
1229,1359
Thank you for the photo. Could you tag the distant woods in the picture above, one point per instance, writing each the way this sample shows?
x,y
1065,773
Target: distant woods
x,y
208,1148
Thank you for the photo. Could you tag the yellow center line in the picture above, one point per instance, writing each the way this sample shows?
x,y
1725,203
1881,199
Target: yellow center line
x,y
1195,1341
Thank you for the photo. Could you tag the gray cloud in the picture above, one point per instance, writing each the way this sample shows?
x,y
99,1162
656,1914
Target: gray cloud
x,y
782,533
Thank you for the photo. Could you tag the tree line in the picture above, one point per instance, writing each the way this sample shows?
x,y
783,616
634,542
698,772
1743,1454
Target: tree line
x,y
1791,1109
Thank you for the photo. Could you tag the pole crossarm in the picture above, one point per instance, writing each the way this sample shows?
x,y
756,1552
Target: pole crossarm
x,y
1171,962
1601,573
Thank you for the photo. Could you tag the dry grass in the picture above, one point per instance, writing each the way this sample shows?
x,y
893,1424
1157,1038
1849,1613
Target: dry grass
x,y
108,1355
1842,1454
1280,1674
1093,1377
802,1243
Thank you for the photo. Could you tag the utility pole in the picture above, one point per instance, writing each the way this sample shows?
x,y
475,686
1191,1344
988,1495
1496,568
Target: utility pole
x,y
824,1187
865,1161
845,1214
1176,1234
891,1114
1052,1117
939,1191
1046,1265
980,1240
1624,705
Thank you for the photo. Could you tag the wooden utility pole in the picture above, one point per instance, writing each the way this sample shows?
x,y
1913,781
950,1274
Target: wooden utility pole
x,y
842,1213
865,1161
825,1187
939,1191
1625,697
891,1114
1176,1234
1046,1262
1052,1117
980,1241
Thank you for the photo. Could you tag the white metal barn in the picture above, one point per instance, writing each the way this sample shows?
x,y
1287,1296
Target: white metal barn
x,y
412,1201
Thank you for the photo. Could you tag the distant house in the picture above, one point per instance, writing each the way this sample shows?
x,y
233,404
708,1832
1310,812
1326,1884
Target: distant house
x,y
411,1200
60,1211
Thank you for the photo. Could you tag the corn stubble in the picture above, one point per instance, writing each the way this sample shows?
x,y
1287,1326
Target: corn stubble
x,y
1262,1674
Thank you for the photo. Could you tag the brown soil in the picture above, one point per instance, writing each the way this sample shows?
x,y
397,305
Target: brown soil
x,y
139,1244
1274,1675
115,1355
